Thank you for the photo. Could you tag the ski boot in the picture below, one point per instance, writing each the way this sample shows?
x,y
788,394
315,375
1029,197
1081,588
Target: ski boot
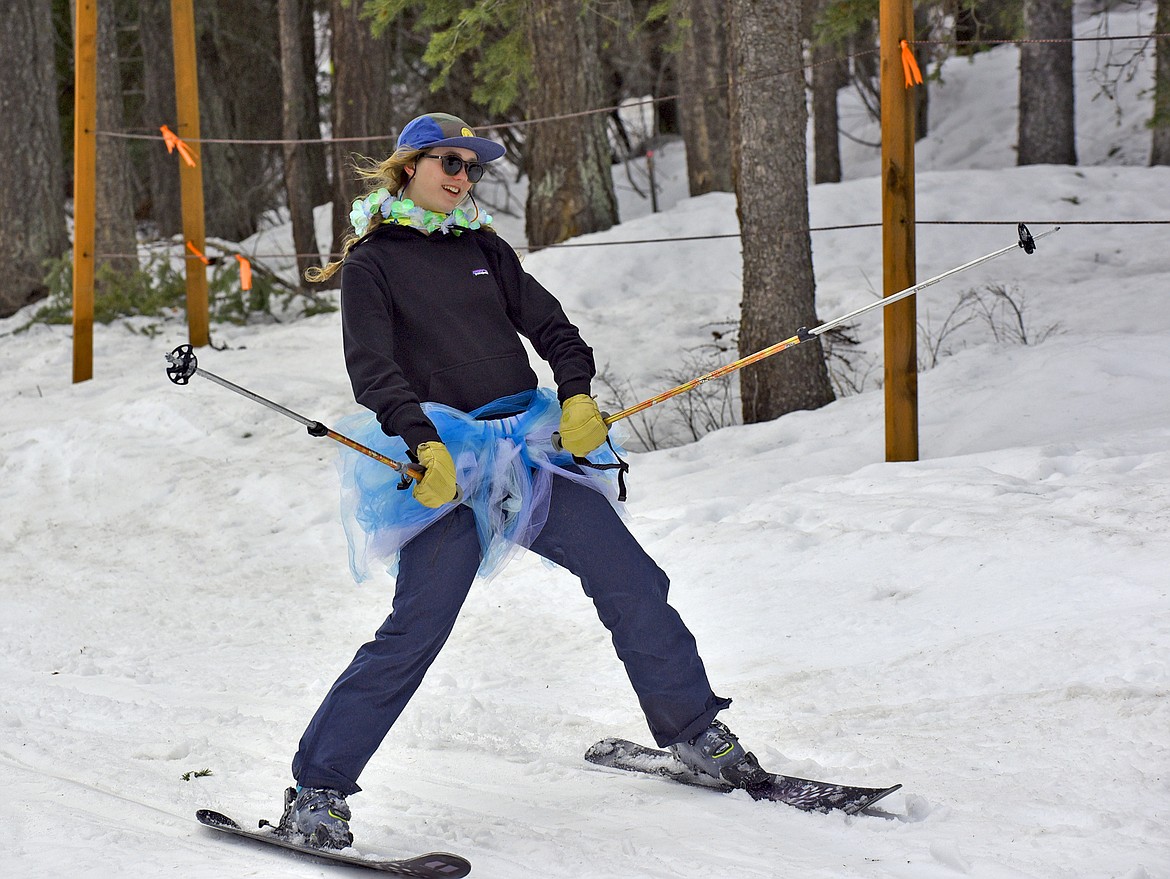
x,y
717,752
319,816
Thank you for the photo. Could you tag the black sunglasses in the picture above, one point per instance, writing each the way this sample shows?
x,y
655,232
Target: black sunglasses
x,y
452,164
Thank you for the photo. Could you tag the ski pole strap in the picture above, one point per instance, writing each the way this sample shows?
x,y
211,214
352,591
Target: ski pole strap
x,y
622,467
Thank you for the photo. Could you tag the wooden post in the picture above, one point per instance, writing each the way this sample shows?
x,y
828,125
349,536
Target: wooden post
x,y
896,23
190,179
84,184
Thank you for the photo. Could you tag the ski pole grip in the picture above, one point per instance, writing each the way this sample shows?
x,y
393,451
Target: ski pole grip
x,y
556,435
416,472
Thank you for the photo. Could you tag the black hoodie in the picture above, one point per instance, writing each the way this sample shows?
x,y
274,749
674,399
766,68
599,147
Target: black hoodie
x,y
437,317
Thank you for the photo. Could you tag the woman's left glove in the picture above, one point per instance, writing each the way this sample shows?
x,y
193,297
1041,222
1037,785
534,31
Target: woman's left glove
x,y
437,487
582,427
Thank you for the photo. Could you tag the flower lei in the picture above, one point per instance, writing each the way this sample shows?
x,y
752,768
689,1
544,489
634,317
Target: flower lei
x,y
405,212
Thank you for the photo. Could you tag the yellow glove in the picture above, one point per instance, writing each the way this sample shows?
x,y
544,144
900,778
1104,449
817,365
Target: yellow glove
x,y
437,487
582,427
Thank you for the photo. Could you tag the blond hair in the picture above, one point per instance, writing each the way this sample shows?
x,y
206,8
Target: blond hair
x,y
388,174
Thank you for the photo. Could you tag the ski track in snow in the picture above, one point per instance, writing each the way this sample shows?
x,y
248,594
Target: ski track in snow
x,y
988,626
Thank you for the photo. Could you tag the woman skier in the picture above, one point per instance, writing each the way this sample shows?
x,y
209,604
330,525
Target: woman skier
x,y
433,306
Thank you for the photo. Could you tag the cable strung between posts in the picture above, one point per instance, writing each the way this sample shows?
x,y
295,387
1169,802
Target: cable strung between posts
x,y
522,123
846,226
1025,40
714,237
1026,242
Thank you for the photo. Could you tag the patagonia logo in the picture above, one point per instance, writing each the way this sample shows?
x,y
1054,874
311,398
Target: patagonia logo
x,y
479,272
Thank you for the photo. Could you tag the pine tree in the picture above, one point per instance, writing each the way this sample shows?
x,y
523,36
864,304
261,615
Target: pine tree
x,y
570,189
115,231
297,186
702,78
1047,128
32,187
769,119
1160,149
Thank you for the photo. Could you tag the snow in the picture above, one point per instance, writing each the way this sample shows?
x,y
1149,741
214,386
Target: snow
x,y
988,626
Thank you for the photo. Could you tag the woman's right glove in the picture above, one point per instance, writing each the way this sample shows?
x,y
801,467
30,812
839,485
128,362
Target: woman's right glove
x,y
437,487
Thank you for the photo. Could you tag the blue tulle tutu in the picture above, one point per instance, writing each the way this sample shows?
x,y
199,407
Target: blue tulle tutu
x,y
504,467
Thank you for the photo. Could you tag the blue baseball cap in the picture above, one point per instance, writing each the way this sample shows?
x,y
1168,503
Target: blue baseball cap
x,y
443,129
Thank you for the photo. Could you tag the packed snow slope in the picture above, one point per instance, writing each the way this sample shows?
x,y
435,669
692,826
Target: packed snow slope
x,y
989,626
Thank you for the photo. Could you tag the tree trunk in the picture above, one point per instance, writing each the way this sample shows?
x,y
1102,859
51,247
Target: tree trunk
x,y
359,58
115,231
315,153
570,189
702,81
1047,132
769,120
236,76
662,65
32,187
829,73
296,160
924,55
154,24
826,80
1160,149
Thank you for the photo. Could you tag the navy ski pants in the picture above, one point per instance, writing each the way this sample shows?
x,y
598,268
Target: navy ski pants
x,y
584,535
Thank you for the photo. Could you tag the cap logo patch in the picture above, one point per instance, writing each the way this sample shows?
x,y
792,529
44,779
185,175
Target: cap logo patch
x,y
466,132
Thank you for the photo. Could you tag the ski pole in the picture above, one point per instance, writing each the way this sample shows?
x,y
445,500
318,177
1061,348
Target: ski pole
x,y
184,365
1026,241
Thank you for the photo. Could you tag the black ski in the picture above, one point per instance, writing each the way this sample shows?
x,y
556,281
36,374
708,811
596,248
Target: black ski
x,y
435,865
802,793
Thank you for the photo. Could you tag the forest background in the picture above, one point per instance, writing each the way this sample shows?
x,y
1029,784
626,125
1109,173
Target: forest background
x,y
293,93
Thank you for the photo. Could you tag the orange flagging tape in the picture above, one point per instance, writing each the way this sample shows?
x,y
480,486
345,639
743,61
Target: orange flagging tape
x,y
245,273
910,66
174,142
195,250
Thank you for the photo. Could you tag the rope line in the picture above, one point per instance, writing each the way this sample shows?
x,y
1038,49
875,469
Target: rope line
x,y
715,237
847,226
1025,40
130,135
522,123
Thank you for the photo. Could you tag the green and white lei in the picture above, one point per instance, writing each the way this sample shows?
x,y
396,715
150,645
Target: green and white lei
x,y
405,212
